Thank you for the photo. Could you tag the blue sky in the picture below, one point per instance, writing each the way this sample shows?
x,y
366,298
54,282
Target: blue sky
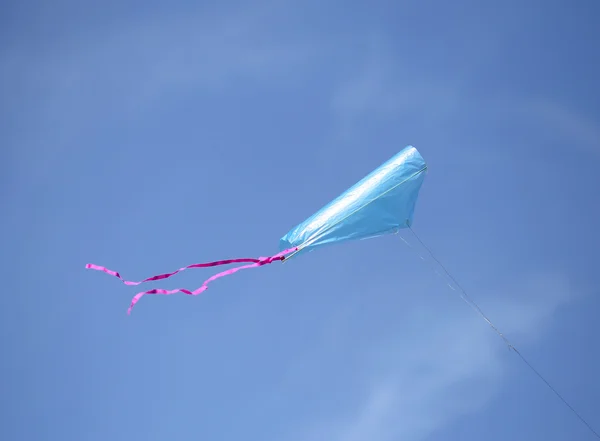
x,y
145,137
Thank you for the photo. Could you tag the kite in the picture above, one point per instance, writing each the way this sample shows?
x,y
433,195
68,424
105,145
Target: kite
x,y
382,203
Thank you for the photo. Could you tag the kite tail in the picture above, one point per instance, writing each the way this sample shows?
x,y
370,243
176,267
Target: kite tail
x,y
253,264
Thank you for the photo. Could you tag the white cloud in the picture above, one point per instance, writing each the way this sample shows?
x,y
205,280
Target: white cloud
x,y
414,382
130,65
582,132
126,70
381,86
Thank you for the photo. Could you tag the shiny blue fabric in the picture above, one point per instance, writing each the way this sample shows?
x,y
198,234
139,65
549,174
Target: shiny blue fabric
x,y
381,203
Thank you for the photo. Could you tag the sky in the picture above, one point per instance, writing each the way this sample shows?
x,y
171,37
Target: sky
x,y
148,136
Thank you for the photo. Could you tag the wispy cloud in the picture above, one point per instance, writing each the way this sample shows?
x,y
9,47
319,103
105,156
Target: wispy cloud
x,y
148,57
582,132
415,382
128,69
382,86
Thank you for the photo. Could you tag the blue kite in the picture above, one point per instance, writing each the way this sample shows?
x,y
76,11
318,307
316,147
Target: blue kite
x,y
382,203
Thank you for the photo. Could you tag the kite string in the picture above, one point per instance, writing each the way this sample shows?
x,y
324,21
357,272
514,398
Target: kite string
x,y
466,297
464,294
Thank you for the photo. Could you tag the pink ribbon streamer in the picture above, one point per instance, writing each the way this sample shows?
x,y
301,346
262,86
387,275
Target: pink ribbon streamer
x,y
254,263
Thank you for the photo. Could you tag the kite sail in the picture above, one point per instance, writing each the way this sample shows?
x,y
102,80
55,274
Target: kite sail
x,y
383,202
